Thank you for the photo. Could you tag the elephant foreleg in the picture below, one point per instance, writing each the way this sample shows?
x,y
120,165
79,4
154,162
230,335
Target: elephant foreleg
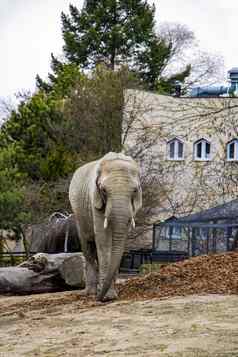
x,y
111,294
104,261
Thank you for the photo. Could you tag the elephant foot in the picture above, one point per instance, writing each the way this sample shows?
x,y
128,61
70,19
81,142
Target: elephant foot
x,y
88,291
111,295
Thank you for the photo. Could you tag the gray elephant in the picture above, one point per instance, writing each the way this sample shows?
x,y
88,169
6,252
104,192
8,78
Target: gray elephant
x,y
105,196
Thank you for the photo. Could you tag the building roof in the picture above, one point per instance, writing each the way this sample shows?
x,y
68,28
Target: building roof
x,y
227,211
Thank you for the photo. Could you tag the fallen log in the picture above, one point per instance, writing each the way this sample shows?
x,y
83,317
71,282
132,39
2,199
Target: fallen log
x,y
44,273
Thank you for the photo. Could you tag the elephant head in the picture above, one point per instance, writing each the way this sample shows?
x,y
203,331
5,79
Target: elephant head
x,y
117,198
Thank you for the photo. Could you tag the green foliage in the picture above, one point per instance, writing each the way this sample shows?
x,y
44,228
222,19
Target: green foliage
x,y
152,62
12,212
149,268
118,32
107,30
57,163
48,136
165,86
33,154
31,136
43,198
61,80
94,113
11,260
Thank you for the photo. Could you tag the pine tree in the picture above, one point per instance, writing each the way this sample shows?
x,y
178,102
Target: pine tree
x,y
61,80
109,31
116,32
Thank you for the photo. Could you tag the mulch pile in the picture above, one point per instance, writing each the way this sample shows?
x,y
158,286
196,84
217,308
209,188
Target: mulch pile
x,y
208,274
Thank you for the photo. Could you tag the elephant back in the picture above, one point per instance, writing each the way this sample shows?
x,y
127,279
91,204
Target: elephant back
x,y
80,192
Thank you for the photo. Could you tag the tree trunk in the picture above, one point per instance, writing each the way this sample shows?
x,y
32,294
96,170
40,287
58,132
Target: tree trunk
x,y
44,273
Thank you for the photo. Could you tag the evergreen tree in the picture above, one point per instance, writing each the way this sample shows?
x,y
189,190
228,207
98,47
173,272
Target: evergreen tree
x,y
31,134
109,31
62,79
118,32
13,213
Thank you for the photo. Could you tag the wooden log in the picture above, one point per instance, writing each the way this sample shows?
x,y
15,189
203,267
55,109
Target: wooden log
x,y
44,273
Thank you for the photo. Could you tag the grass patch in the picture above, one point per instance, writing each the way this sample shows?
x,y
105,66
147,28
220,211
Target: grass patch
x,y
149,268
11,260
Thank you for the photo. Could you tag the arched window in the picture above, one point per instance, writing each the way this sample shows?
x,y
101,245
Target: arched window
x,y
175,149
232,150
202,150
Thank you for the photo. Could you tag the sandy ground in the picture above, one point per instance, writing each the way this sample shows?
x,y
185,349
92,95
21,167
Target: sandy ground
x,y
61,324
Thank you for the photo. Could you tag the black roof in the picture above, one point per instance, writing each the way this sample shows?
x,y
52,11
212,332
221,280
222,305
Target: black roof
x,y
227,211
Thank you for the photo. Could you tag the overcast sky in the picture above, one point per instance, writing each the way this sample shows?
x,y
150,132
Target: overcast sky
x,y
30,30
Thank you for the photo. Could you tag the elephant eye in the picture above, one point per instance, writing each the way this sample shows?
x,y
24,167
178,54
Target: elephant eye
x,y
135,190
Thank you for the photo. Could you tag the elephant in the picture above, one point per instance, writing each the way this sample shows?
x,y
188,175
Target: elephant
x,y
105,196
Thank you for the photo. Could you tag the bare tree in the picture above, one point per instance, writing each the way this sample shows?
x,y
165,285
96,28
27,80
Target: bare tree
x,y
139,137
206,67
6,107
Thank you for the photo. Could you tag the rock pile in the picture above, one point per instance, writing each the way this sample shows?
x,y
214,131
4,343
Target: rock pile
x,y
208,274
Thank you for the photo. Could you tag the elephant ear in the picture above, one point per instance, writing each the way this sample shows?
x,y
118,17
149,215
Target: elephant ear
x,y
137,202
97,198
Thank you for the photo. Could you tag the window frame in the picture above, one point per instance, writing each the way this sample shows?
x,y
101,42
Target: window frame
x,y
203,157
173,231
176,141
235,142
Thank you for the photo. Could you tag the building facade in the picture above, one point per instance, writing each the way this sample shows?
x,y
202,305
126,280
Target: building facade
x,y
189,144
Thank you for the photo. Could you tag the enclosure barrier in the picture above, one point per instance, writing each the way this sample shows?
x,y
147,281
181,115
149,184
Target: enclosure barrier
x,y
192,239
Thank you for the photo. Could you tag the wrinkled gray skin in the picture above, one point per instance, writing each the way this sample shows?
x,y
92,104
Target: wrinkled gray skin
x,y
105,196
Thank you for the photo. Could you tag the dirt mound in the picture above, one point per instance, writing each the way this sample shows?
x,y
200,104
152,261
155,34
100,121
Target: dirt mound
x,y
208,274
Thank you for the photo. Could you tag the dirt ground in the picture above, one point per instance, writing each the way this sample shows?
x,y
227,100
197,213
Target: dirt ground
x,y
62,324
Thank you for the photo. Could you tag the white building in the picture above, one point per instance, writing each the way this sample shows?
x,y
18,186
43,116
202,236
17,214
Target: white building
x,y
194,146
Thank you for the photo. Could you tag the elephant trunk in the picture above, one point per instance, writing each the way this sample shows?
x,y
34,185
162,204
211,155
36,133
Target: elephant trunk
x,y
118,245
120,224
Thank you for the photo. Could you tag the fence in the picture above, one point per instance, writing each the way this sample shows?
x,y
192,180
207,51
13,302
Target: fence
x,y
132,260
